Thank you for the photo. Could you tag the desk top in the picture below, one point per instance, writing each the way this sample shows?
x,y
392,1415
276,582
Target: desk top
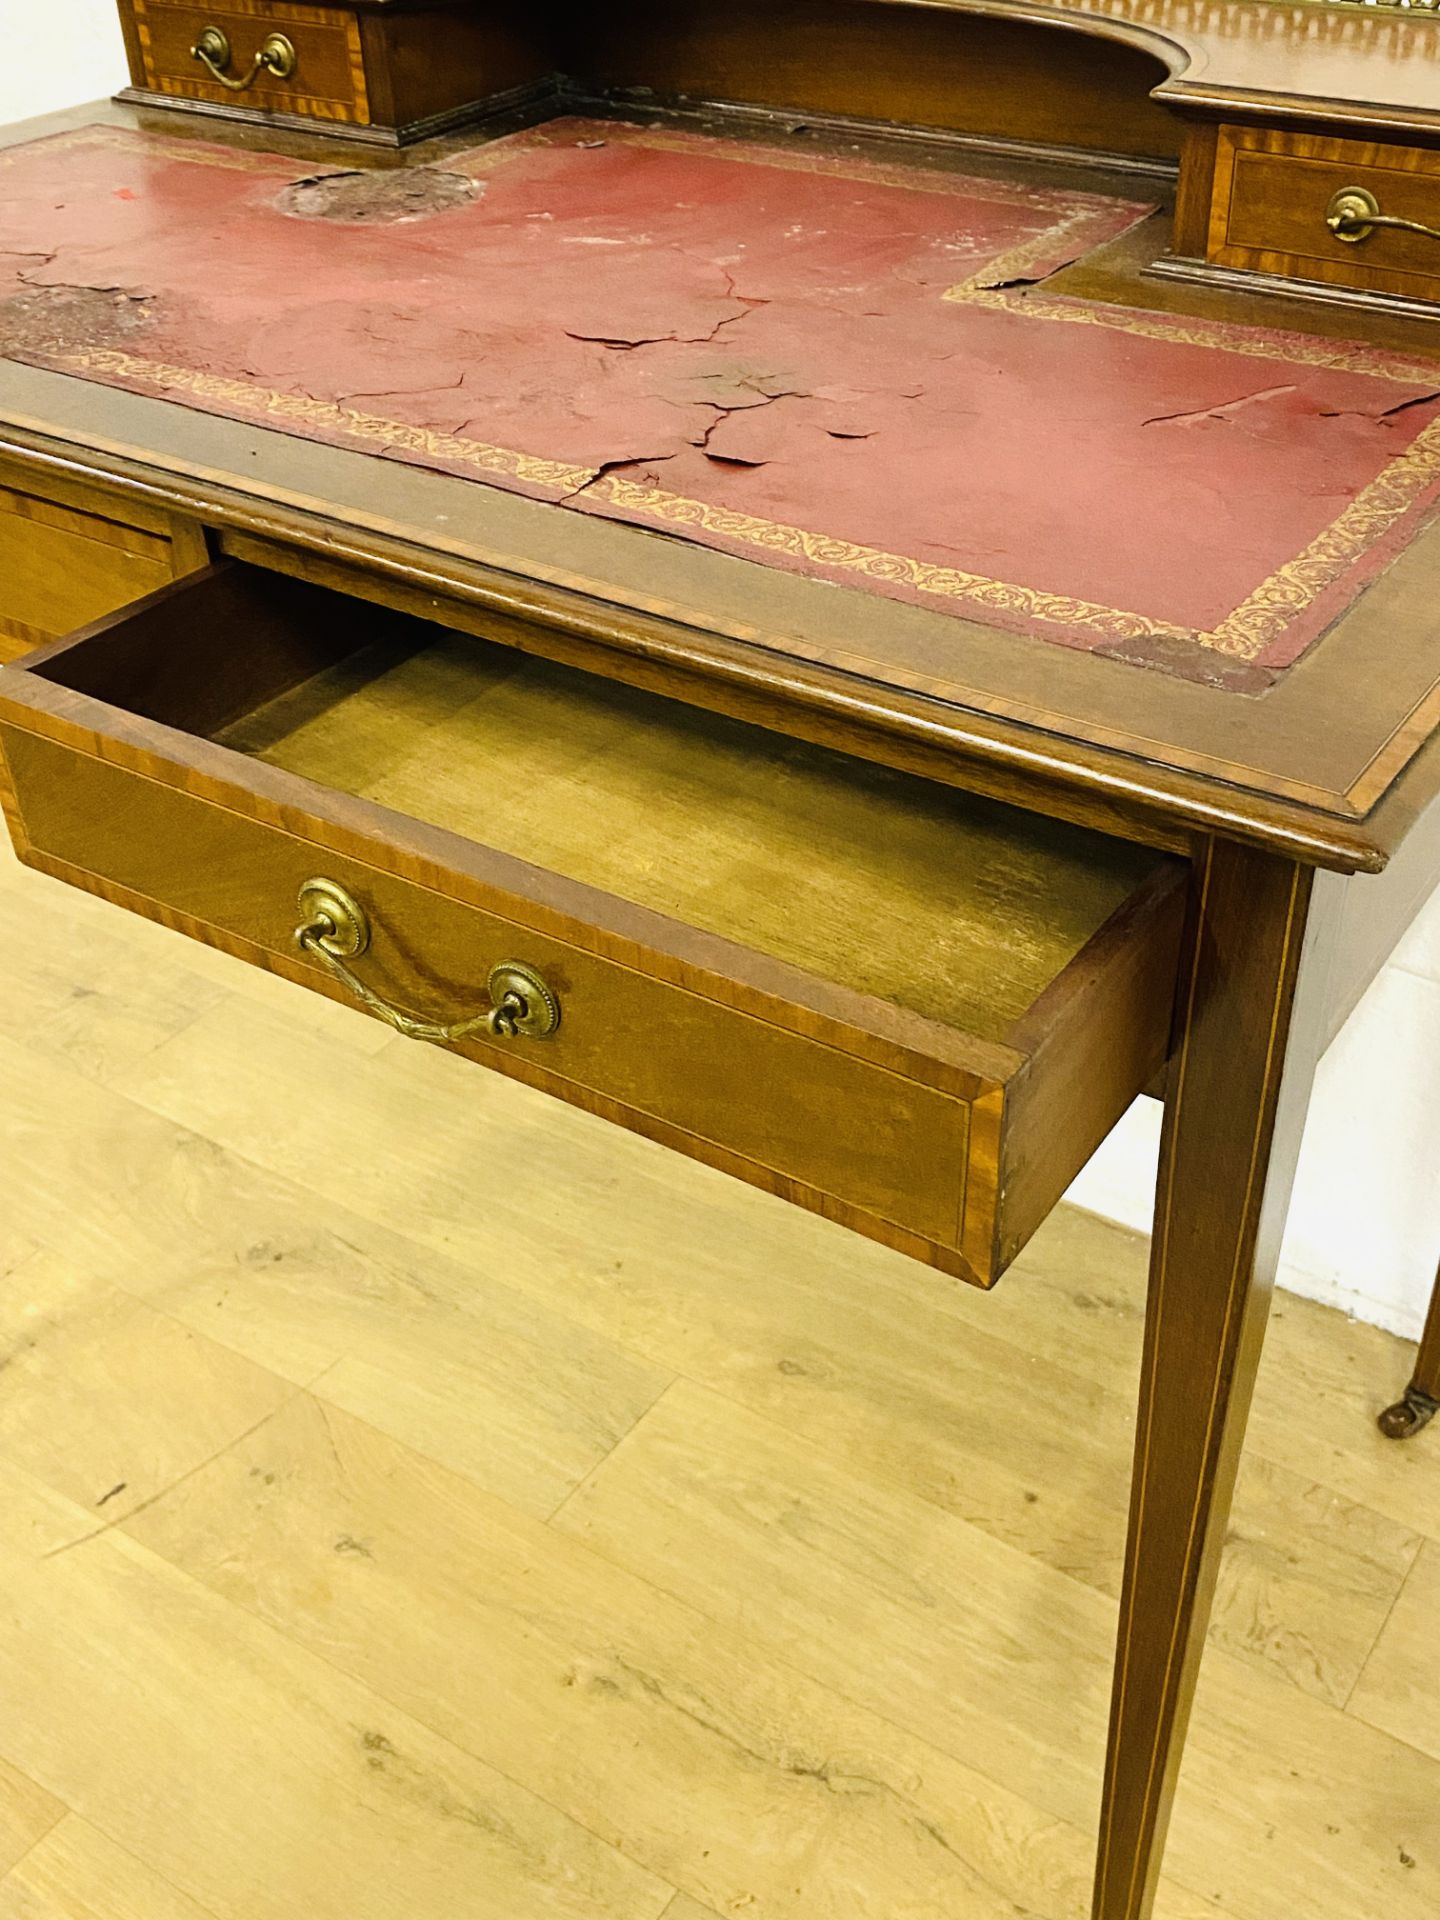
x,y
1122,545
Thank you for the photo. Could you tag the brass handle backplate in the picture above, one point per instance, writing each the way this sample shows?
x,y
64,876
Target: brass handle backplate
x,y
335,929
1354,214
277,56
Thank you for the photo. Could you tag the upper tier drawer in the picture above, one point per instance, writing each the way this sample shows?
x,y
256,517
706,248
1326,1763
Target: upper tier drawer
x,y
902,1006
1274,191
279,57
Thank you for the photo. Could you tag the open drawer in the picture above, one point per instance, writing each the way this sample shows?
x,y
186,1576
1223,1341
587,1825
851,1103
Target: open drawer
x,y
902,1006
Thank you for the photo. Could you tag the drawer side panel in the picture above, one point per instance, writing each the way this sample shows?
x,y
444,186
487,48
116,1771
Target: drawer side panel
x,y
61,569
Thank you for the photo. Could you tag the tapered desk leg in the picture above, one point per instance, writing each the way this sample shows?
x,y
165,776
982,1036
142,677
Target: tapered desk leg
x,y
1421,1400
1251,986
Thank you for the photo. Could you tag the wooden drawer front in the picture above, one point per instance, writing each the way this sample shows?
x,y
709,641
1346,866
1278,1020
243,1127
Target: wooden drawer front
x,y
61,567
328,81
772,1097
1272,190
946,1143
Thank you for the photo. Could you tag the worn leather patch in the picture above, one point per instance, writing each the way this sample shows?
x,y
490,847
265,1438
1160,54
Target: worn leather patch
x,y
846,369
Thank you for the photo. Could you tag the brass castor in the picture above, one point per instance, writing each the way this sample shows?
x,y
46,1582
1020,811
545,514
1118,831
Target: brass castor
x,y
1408,1415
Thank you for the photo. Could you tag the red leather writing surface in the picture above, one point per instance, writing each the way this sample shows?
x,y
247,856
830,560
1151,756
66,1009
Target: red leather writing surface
x,y
830,366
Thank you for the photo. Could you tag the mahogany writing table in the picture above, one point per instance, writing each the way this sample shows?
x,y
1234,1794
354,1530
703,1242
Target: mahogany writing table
x,y
930,676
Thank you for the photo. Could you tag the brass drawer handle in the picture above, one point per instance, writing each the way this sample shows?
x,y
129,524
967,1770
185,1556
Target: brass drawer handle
x,y
1354,213
276,56
334,928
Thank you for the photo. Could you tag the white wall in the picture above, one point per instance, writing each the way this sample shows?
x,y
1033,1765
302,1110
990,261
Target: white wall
x,y
58,53
1365,1231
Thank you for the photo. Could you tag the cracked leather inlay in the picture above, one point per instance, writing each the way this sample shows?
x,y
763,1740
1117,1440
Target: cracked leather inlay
x,y
851,370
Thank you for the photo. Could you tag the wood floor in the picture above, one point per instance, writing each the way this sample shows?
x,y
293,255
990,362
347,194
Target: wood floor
x,y
419,1500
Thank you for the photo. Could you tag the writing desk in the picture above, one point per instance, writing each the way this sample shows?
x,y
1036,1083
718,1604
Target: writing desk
x,y
870,821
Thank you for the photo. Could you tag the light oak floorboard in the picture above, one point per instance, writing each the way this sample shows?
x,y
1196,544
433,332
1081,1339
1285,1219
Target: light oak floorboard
x,y
15,1249
98,988
27,1813
980,1648
1080,1299
76,1873
1328,1519
488,1292
793,1316
902,1371
484,1375
110,1402
1316,1412
248,1773
81,990
1399,1689
738,1781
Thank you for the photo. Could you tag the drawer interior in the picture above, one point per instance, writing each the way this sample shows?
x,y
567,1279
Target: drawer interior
x,y
957,908
907,1007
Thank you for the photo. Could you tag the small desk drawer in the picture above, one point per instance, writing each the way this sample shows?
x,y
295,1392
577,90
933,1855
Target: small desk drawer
x,y
322,78
904,1007
1273,190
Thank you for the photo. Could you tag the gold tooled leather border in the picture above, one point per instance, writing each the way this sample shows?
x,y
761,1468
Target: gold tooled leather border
x,y
1262,619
